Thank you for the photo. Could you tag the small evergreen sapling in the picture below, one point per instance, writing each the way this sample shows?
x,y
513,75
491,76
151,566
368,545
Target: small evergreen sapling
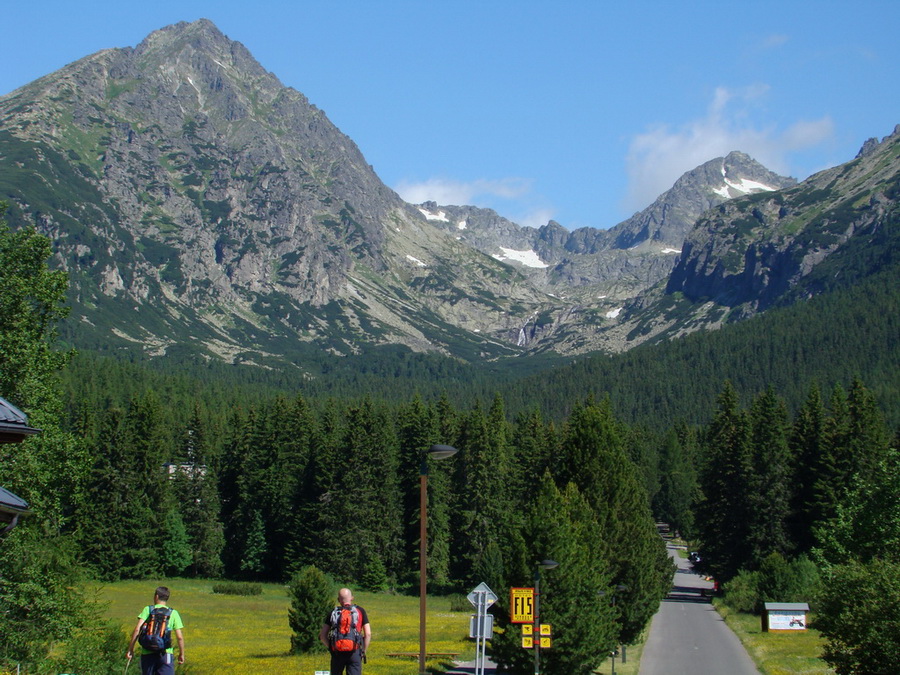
x,y
312,597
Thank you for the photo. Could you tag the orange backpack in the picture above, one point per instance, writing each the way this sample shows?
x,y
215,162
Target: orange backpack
x,y
346,629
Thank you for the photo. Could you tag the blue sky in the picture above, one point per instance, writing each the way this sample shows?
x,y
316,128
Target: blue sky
x,y
580,111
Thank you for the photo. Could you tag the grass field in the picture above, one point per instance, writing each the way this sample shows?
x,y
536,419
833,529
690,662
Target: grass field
x,y
632,664
794,653
250,635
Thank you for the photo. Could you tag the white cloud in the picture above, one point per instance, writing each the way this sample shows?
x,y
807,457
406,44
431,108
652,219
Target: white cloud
x,y
449,192
534,218
774,41
658,157
512,198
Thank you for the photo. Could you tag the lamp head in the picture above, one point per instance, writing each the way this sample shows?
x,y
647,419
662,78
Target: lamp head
x,y
547,564
440,451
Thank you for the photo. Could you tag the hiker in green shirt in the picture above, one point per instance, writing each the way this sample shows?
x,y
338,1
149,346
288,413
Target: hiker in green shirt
x,y
155,625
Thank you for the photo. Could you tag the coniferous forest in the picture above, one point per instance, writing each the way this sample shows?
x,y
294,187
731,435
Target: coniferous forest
x,y
763,444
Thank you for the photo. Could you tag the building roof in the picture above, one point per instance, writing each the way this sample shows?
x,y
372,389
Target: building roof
x,y
787,607
13,423
10,503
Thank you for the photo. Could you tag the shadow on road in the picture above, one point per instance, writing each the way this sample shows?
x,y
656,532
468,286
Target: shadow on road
x,y
687,594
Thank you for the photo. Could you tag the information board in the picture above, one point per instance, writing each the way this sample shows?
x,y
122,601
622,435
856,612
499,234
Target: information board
x,y
521,603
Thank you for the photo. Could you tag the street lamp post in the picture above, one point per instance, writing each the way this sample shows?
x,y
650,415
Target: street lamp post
x,y
618,589
536,629
437,452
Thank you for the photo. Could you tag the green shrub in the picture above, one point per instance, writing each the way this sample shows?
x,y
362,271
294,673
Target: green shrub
x,y
312,597
788,581
742,592
237,588
777,580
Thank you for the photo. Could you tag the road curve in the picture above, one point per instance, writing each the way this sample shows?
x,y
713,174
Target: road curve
x,y
687,635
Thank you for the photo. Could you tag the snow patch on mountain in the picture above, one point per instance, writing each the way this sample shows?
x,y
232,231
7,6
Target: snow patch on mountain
x,y
529,258
440,215
744,186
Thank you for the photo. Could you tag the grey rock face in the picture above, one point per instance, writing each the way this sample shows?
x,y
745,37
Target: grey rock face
x,y
196,200
752,252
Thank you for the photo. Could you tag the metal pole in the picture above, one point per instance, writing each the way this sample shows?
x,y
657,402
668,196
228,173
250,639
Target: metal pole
x,y
479,641
536,629
616,647
423,564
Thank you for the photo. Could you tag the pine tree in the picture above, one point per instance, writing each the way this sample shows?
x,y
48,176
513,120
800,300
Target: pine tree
x,y
725,511
532,449
770,484
592,457
678,484
806,447
311,593
562,527
482,512
255,548
868,434
363,503
298,460
119,542
416,432
198,499
231,468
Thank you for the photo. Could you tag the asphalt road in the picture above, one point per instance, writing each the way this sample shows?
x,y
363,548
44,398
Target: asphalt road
x,y
688,637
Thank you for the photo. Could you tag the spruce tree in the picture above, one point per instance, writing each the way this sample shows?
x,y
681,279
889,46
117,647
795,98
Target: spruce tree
x,y
311,592
198,499
725,511
561,526
770,484
482,511
678,485
806,446
299,462
416,432
592,457
362,505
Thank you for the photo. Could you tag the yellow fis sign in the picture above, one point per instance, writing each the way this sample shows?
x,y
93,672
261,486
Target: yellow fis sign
x,y
521,603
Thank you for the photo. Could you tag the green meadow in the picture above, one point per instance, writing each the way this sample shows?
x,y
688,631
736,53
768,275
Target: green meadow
x,y
250,634
793,653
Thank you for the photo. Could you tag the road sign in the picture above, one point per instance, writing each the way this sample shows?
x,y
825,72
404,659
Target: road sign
x,y
481,626
521,604
528,642
546,629
482,590
546,642
527,629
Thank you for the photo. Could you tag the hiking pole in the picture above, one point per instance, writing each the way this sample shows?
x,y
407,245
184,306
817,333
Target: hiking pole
x,y
127,666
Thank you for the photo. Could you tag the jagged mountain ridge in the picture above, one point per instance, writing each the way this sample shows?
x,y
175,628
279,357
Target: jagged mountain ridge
x,y
620,262
753,252
833,230
201,205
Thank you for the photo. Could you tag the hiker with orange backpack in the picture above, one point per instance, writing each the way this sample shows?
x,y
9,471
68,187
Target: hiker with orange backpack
x,y
346,634
153,633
